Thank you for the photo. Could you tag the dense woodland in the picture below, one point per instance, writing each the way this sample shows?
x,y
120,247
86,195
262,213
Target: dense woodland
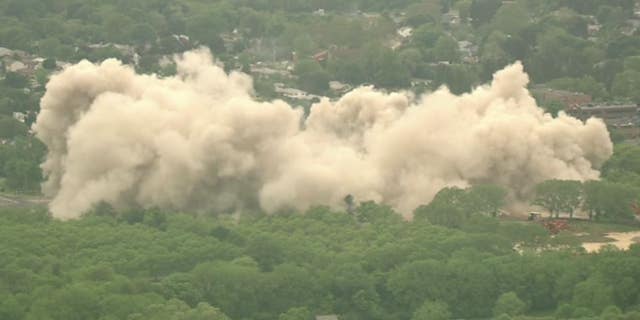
x,y
370,264
456,259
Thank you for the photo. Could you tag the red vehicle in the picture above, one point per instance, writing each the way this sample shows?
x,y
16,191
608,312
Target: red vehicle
x,y
555,226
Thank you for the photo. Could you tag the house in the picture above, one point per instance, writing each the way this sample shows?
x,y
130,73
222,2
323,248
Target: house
x,y
4,52
631,27
593,28
327,317
16,66
398,17
339,87
469,51
264,70
20,116
293,93
321,56
405,32
451,18
568,98
616,115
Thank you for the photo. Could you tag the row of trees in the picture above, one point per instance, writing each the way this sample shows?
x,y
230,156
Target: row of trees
x,y
601,200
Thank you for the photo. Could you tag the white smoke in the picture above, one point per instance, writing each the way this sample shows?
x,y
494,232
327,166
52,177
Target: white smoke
x,y
200,140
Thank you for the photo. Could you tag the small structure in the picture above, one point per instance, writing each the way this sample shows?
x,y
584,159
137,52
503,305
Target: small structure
x,y
451,18
339,87
534,216
5,52
321,56
327,317
615,115
568,98
405,32
183,40
20,116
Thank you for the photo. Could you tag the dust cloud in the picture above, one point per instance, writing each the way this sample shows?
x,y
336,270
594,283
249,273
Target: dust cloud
x,y
201,141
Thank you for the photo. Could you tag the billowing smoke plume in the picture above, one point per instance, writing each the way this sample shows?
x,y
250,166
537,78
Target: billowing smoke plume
x,y
200,140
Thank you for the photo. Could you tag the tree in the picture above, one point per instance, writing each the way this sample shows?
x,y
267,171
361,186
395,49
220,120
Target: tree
x,y
482,11
266,251
558,196
612,313
625,85
459,78
411,58
16,80
312,76
206,27
296,314
143,33
50,47
448,208
234,288
446,49
75,302
11,128
487,198
432,310
414,282
493,56
585,84
560,54
509,303
609,201
385,68
464,8
593,294
510,19
10,308
425,36
178,310
553,107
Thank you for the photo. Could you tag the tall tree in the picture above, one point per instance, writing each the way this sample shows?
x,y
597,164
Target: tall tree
x,y
559,196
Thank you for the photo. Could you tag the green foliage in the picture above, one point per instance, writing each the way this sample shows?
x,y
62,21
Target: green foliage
x,y
368,265
625,84
553,107
609,201
20,164
586,85
487,198
593,294
559,196
11,128
16,80
612,313
452,207
432,310
296,314
312,77
482,11
446,49
178,310
511,18
509,304
448,208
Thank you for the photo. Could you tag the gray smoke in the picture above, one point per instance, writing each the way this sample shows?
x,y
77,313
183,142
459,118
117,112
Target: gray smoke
x,y
200,140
